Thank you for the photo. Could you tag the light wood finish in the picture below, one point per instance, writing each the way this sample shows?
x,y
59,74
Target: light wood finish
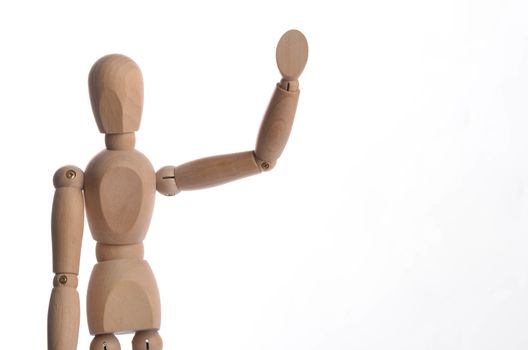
x,y
65,280
67,220
119,189
212,171
150,340
119,185
105,342
289,85
122,297
120,142
63,319
276,126
165,181
217,170
292,54
105,252
116,93
119,192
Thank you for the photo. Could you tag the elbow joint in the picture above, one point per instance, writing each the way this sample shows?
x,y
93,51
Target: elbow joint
x,y
265,165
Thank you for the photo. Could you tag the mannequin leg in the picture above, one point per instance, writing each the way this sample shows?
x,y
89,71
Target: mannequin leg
x,y
105,342
147,340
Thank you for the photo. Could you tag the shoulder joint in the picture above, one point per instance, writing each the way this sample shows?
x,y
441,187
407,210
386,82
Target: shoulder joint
x,y
68,176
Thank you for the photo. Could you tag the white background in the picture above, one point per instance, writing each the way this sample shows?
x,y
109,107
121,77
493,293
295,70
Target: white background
x,y
396,218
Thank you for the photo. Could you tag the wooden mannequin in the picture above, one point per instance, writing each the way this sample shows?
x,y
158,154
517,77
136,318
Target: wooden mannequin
x,y
119,186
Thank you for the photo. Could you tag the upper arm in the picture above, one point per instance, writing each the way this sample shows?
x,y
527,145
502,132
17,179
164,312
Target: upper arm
x,y
67,219
206,172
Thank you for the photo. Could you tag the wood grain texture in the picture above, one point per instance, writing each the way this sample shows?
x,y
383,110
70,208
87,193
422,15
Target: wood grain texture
x,y
119,192
119,187
63,319
116,94
292,54
122,297
67,219
276,126
212,171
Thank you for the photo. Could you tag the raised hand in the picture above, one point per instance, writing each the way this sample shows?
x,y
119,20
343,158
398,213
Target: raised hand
x,y
292,54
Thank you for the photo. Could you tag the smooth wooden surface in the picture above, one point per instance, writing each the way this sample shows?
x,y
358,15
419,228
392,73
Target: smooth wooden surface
x,y
105,252
166,181
292,54
275,129
150,340
212,171
67,219
65,280
122,297
120,142
119,186
289,85
116,94
276,126
119,192
63,319
105,342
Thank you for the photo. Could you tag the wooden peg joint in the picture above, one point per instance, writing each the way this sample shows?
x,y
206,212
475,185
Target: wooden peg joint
x,y
65,280
264,165
289,85
166,181
68,176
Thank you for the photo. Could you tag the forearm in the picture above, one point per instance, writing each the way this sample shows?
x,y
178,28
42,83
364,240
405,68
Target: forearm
x,y
63,313
277,124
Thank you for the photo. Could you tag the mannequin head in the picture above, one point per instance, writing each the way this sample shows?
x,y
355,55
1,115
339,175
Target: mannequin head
x,y
116,94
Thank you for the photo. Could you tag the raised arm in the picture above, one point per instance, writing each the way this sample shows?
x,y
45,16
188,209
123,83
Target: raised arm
x,y
292,54
67,220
